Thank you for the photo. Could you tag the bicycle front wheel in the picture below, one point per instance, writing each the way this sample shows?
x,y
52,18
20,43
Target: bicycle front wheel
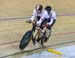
x,y
25,40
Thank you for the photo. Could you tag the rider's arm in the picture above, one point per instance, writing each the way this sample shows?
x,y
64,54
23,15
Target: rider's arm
x,y
31,20
44,15
53,17
34,15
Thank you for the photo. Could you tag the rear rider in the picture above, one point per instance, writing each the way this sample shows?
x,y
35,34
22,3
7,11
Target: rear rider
x,y
52,16
48,18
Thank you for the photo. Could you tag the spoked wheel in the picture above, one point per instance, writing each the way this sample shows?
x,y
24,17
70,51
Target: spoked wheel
x,y
25,40
44,38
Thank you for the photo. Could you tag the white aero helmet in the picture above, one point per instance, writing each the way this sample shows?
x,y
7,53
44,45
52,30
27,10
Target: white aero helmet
x,y
39,8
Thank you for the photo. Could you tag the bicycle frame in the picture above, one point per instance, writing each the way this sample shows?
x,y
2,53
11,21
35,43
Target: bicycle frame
x,y
34,33
38,32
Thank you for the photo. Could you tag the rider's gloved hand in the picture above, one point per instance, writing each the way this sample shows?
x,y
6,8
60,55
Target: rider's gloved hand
x,y
28,21
39,22
33,22
47,25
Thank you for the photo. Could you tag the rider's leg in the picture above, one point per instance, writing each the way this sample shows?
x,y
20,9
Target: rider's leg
x,y
48,34
35,40
36,36
48,31
43,36
34,31
41,33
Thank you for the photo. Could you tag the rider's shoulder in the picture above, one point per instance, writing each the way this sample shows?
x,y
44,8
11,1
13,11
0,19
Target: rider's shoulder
x,y
52,11
44,11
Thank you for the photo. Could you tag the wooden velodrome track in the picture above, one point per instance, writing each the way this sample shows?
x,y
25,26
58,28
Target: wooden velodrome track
x,y
13,26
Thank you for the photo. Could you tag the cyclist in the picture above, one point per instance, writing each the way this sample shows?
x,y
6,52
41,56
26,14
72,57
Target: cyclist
x,y
37,13
48,19
52,16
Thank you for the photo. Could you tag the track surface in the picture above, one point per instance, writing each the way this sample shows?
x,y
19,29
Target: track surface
x,y
13,14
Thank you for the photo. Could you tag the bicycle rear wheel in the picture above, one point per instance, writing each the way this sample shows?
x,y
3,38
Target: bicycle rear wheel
x,y
45,37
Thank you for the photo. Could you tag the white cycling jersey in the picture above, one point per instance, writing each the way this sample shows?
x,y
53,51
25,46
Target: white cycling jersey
x,y
35,14
44,15
52,16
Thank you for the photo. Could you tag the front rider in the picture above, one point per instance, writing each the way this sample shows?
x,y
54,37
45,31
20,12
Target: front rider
x,y
37,13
